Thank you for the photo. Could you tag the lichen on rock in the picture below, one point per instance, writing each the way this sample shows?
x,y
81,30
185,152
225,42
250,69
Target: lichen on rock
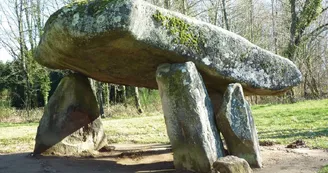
x,y
69,124
180,29
189,117
236,123
123,41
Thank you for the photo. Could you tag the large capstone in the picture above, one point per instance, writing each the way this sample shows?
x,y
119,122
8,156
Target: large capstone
x,y
189,118
69,124
124,41
236,124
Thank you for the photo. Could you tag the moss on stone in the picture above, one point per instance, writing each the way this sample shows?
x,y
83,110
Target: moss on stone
x,y
243,57
179,28
93,7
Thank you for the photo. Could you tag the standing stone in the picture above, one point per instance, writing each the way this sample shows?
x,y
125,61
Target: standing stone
x,y
69,124
189,117
231,164
236,124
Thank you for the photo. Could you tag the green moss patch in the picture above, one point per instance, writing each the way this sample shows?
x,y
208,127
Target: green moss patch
x,y
185,35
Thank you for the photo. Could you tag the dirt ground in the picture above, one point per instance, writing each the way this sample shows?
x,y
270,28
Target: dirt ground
x,y
154,158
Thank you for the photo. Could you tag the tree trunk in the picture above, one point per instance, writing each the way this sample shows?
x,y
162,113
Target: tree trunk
x,y
225,15
124,96
251,17
137,100
167,4
106,96
184,7
115,94
274,32
22,47
100,99
292,47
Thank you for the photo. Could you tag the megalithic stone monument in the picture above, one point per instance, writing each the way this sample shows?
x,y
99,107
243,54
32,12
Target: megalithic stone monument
x,y
125,41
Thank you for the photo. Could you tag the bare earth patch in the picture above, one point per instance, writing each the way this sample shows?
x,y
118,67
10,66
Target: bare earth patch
x,y
154,158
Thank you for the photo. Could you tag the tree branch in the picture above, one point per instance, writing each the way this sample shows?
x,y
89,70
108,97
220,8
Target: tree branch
x,y
317,31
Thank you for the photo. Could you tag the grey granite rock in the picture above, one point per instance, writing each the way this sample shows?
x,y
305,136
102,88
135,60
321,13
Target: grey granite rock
x,y
69,124
231,164
124,41
189,118
235,122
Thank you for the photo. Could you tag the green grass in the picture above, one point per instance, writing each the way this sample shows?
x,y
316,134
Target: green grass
x,y
11,115
17,137
324,169
149,129
286,123
279,123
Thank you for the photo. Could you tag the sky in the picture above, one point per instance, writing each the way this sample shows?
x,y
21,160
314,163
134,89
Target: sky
x,y
4,56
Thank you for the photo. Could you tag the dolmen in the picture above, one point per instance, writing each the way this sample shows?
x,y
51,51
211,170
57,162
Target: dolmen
x,y
202,71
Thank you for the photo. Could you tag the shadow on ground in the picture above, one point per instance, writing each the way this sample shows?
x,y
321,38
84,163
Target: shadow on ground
x,y
302,134
155,158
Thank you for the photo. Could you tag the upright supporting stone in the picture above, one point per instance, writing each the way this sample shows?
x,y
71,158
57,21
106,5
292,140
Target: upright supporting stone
x,y
69,124
189,117
236,124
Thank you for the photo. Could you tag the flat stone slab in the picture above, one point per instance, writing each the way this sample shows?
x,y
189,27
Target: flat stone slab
x,y
124,41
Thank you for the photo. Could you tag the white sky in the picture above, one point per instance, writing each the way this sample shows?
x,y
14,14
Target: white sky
x,y
4,55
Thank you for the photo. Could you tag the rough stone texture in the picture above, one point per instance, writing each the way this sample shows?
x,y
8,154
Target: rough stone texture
x,y
124,41
189,118
69,124
236,124
89,138
231,164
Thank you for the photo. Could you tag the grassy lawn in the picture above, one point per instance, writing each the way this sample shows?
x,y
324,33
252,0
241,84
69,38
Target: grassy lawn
x,y
324,169
279,123
286,123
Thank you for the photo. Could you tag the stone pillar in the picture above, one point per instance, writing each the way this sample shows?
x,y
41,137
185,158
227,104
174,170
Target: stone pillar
x,y
235,121
189,117
69,124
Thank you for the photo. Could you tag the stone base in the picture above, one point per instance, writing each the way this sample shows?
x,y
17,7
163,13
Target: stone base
x,y
231,164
